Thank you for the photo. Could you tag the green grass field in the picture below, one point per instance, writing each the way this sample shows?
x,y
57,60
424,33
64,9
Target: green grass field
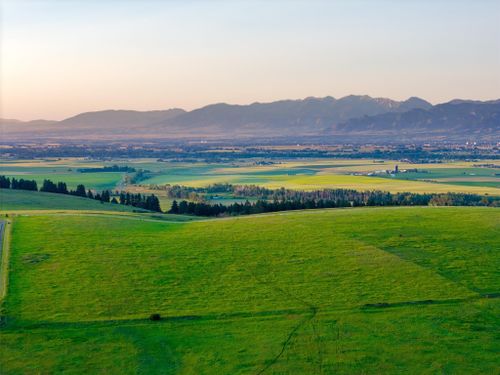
x,y
286,293
65,170
13,200
96,181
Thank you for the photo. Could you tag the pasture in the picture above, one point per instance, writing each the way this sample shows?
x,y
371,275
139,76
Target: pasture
x,y
13,200
371,290
65,170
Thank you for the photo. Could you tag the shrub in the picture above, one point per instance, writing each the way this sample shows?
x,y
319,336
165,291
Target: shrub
x,y
154,317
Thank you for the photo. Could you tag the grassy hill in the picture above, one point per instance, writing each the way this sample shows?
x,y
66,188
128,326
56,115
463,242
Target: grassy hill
x,y
11,200
383,290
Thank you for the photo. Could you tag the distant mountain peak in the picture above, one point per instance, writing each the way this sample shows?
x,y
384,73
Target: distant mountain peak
x,y
311,116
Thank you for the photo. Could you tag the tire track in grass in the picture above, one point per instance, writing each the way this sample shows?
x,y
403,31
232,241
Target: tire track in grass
x,y
285,344
5,226
313,311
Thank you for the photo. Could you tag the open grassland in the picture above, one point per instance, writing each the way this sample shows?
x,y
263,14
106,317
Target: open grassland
x,y
13,200
382,290
65,170
96,181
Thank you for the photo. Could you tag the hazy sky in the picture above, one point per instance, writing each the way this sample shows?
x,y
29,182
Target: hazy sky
x,y
59,58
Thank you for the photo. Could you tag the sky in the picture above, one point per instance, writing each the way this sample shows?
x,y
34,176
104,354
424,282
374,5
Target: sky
x,y
63,57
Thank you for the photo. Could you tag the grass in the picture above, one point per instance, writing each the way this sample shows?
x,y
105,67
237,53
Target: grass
x,y
12,200
98,181
487,177
283,293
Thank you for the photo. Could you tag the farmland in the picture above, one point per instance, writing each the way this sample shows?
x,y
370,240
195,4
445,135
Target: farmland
x,y
60,170
321,174
367,290
306,174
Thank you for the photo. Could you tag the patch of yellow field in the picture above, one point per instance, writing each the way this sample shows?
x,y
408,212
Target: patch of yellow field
x,y
371,183
362,183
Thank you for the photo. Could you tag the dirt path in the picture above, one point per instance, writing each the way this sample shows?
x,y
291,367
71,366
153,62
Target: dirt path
x,y
4,256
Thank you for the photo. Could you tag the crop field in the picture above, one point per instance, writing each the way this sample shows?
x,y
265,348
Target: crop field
x,y
338,174
343,291
307,174
456,176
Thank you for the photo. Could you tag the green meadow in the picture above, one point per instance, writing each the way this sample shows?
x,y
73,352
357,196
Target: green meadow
x,y
96,181
343,291
14,200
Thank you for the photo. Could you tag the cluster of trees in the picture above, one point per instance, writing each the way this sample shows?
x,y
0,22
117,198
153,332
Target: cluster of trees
x,y
147,202
197,193
61,188
456,199
332,199
139,176
21,184
113,168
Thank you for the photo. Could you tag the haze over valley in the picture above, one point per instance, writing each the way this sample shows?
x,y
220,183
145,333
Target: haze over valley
x,y
336,120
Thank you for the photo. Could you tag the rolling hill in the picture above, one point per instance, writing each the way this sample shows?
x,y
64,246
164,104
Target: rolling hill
x,y
355,291
12,200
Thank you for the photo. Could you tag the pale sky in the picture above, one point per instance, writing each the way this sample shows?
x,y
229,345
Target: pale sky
x,y
62,57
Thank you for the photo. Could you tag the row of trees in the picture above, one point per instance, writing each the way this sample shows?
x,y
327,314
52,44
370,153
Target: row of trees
x,y
147,202
341,198
21,184
194,193
113,168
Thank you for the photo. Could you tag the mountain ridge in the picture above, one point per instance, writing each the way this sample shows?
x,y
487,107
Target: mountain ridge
x,y
311,116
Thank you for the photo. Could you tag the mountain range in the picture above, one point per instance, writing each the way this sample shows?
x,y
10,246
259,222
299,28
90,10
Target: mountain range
x,y
347,118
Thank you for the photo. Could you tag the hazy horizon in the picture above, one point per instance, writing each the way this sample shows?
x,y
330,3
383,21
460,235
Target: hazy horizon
x,y
239,104
62,58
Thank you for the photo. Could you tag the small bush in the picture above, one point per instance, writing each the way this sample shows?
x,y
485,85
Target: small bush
x,y
154,317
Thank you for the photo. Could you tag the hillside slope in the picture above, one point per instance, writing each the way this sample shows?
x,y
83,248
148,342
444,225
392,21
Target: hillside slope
x,y
400,290
12,200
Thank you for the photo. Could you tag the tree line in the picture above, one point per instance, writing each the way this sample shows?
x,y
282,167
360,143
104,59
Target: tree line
x,y
268,200
21,184
331,199
147,202
113,168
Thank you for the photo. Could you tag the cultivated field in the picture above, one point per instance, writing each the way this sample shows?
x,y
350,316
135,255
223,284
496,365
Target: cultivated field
x,y
343,291
341,174
307,174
